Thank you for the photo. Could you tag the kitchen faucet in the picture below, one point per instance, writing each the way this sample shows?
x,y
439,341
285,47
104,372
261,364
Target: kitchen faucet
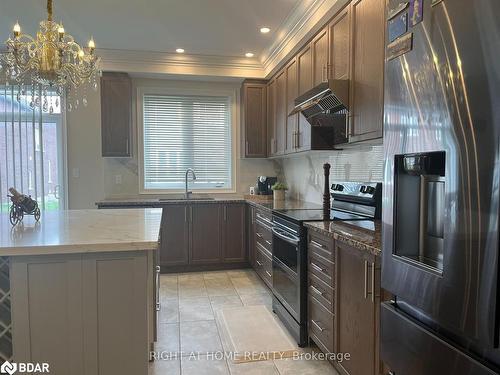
x,y
187,193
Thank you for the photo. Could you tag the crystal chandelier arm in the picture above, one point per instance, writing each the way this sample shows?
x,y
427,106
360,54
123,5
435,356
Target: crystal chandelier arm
x,y
49,10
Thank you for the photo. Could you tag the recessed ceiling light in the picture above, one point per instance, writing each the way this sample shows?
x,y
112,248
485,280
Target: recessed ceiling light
x,y
249,54
179,50
265,30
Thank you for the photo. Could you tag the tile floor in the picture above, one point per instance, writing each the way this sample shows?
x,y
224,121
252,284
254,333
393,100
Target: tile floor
x,y
187,324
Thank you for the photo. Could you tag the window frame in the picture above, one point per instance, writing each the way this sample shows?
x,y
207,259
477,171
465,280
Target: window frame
x,y
232,95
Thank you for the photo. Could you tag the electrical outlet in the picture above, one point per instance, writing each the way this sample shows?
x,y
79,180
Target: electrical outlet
x,y
118,179
76,172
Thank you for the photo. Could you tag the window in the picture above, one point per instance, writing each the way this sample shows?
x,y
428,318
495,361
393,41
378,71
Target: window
x,y
31,147
185,131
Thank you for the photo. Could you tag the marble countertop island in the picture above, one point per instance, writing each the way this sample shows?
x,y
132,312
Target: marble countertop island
x,y
81,231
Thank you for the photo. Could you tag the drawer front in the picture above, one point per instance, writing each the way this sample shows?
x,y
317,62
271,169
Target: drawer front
x,y
321,268
263,235
264,216
320,325
321,245
264,266
321,292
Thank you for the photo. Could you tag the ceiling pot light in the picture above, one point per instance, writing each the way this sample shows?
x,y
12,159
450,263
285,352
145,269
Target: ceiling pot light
x,y
265,30
179,50
249,54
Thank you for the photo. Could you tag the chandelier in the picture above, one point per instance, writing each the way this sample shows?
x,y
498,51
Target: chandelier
x,y
50,61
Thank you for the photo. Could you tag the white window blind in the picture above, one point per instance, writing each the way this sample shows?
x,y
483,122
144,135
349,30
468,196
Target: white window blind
x,y
31,146
180,132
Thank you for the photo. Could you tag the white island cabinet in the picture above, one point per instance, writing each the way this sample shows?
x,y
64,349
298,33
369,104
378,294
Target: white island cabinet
x,y
83,289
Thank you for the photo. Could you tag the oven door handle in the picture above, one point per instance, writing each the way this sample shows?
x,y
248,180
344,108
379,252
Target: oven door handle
x,y
285,237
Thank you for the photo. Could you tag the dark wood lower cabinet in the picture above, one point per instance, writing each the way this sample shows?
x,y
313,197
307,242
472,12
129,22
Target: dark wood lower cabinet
x,y
344,302
174,234
358,301
233,233
205,233
250,234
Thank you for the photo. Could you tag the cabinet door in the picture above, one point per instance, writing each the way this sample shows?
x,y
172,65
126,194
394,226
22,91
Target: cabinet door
x,y
319,47
205,233
46,306
233,233
116,114
280,112
340,45
115,296
367,84
174,235
356,311
254,120
305,79
291,95
271,117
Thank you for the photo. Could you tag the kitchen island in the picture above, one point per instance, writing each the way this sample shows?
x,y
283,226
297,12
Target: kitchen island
x,y
82,290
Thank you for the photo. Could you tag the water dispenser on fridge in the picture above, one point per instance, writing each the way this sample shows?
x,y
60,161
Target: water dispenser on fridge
x,y
420,208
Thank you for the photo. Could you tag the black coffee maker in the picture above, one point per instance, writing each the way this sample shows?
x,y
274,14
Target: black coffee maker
x,y
264,185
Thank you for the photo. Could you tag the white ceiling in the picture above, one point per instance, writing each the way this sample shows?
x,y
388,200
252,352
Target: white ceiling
x,y
206,27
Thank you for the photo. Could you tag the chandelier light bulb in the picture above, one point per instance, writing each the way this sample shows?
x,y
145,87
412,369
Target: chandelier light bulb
x,y
81,53
91,44
17,29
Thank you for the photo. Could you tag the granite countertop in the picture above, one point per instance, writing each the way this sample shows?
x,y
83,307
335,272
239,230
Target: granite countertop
x,y
155,202
350,233
81,231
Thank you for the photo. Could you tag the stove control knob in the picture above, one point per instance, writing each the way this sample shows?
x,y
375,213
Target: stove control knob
x,y
337,187
369,190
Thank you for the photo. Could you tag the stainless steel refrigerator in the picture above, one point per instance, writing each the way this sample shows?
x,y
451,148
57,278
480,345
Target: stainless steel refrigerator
x,y
442,183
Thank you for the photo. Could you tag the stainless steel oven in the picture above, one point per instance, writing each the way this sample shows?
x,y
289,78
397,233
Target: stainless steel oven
x,y
289,263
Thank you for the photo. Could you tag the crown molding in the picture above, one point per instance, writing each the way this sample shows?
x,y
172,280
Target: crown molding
x,y
303,22
146,62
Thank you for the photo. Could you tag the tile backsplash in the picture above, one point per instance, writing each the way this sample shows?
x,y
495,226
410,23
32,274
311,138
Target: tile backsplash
x,y
303,173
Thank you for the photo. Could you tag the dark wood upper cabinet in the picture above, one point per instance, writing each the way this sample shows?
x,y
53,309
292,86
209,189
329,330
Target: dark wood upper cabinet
x,y
271,118
205,233
116,114
340,45
233,233
281,114
358,301
292,90
254,119
367,69
305,83
319,46
174,242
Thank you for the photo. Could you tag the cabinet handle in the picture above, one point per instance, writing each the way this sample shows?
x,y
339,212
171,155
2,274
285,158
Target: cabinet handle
x,y
268,242
373,283
268,274
258,234
259,263
158,306
316,290
366,280
317,325
318,244
316,267
297,135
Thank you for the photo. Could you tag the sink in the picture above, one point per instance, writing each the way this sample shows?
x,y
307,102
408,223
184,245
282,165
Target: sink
x,y
186,199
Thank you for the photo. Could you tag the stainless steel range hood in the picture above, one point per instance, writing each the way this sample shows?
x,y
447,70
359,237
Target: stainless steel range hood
x,y
328,98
